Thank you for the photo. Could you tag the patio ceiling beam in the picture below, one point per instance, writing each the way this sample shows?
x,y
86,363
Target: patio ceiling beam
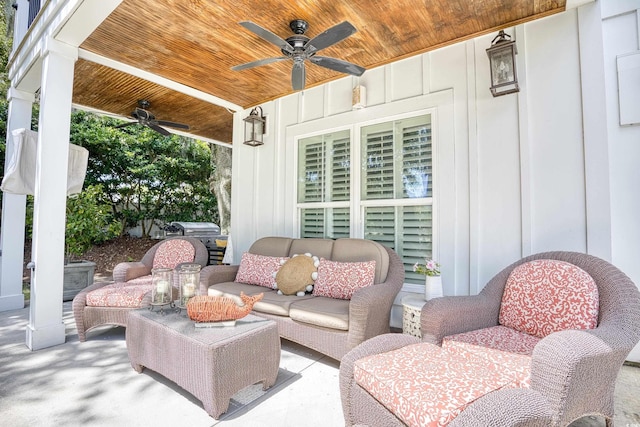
x,y
154,78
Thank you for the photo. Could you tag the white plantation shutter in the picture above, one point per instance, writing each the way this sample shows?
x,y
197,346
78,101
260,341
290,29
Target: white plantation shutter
x,y
324,177
396,187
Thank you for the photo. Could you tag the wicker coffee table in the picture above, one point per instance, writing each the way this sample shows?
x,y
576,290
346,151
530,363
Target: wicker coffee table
x,y
211,363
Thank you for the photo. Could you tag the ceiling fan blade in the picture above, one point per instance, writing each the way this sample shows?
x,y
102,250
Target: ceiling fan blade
x,y
338,65
159,129
258,63
298,75
267,35
126,124
330,37
173,124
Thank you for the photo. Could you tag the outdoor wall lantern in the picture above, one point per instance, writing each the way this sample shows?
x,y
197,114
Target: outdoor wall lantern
x,y
254,127
502,61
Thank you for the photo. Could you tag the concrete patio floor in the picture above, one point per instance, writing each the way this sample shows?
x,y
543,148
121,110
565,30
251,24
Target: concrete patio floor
x,y
93,384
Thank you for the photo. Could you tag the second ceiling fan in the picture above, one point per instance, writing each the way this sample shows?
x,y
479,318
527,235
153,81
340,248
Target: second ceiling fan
x,y
299,48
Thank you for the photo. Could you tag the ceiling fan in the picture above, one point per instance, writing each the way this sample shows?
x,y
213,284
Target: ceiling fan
x,y
146,118
299,48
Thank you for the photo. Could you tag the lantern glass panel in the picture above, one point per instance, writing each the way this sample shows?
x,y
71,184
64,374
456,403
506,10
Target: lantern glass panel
x,y
161,293
189,278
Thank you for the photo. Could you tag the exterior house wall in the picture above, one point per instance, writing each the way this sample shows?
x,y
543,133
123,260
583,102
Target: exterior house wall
x,y
515,174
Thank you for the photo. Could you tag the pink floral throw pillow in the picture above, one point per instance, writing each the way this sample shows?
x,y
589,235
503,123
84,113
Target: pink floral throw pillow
x,y
259,269
173,252
546,296
342,279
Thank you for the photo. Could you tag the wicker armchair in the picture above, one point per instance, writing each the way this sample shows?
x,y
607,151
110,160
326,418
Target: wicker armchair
x,y
572,372
132,281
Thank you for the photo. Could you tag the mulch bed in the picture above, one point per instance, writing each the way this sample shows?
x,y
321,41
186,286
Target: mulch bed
x,y
106,255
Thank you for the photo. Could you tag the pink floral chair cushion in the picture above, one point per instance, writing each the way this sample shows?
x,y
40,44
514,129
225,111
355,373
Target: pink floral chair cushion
x,y
341,279
546,296
499,346
259,269
173,252
424,385
124,295
497,338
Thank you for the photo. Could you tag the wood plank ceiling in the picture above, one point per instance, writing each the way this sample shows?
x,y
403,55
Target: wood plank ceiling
x,y
195,43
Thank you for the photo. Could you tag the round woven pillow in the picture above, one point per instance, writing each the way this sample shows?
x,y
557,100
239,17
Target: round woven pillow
x,y
297,274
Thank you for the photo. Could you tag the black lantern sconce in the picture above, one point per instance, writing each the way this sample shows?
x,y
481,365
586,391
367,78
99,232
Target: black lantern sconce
x,y
254,127
502,61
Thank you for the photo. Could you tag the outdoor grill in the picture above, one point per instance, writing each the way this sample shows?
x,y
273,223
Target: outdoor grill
x,y
207,232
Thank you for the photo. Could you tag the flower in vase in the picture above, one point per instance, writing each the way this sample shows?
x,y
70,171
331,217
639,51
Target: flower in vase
x,y
429,268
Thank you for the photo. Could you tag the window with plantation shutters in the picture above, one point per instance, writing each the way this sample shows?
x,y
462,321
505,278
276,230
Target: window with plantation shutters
x,y
324,185
392,205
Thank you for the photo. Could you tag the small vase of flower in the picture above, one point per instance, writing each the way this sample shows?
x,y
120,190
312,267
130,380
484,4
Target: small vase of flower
x,y
433,280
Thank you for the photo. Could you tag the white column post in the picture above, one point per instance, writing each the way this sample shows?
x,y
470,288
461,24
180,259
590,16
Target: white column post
x,y
46,328
13,211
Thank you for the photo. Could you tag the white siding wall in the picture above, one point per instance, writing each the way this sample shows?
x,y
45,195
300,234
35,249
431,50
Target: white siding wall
x,y
512,169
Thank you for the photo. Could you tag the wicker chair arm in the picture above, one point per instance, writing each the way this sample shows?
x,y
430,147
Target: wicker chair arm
x,y
212,274
562,370
125,271
471,312
510,407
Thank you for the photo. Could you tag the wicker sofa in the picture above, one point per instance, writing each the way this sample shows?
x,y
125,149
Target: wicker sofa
x,y
331,326
568,373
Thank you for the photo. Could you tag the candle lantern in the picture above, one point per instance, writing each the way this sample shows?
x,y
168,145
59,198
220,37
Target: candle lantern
x,y
161,293
189,282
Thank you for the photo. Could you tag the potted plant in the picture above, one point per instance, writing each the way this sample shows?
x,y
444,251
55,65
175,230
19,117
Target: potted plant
x,y
433,281
88,222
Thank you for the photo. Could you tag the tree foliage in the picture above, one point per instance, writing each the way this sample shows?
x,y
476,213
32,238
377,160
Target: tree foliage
x,y
145,177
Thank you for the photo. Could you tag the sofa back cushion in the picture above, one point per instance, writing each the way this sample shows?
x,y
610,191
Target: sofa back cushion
x,y
321,248
546,296
358,250
272,246
343,250
173,252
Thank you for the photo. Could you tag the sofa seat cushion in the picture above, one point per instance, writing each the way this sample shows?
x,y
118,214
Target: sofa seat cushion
x,y
123,295
233,289
320,311
425,385
499,346
280,305
546,296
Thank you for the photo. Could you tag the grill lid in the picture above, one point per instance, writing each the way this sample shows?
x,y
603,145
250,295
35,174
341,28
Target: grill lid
x,y
196,228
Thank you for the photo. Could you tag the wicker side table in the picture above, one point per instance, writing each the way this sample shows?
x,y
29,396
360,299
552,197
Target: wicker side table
x,y
411,308
211,363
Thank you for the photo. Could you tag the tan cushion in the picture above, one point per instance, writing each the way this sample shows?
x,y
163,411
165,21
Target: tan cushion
x,y
321,311
354,250
233,290
272,246
272,303
322,248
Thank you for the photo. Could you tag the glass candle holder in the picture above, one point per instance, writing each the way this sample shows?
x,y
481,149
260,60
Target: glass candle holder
x,y
189,281
161,292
